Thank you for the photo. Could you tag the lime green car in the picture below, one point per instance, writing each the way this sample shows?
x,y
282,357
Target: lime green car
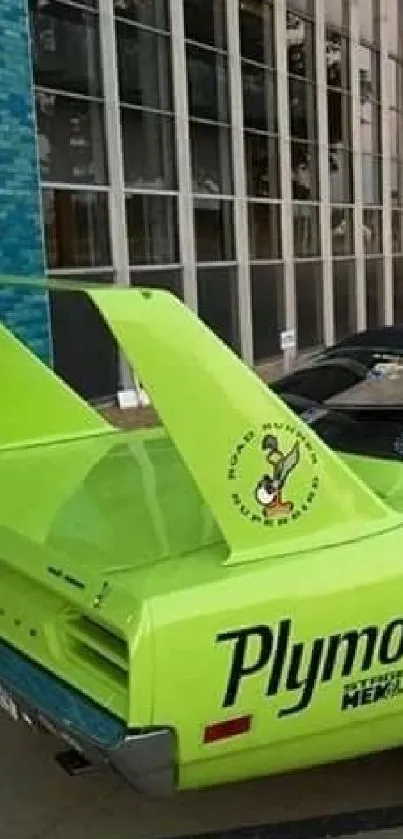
x,y
213,599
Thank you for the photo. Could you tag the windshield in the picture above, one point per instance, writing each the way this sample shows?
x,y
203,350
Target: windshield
x,y
350,377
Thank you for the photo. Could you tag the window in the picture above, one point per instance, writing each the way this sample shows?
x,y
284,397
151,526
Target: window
x,y
71,139
60,31
211,157
264,230
153,13
256,30
207,84
306,230
309,298
170,280
144,66
218,302
267,309
152,229
76,227
342,229
375,298
344,298
148,150
262,165
205,22
214,228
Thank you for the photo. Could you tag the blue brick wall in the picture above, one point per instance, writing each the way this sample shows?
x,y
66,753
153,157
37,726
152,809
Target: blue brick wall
x,y
21,248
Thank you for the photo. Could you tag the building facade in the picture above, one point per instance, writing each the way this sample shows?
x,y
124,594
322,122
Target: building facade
x,y
246,154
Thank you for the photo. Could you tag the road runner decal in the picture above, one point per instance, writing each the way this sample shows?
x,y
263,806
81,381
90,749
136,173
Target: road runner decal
x,y
284,664
273,475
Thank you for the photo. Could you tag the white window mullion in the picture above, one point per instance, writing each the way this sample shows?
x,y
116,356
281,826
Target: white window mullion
x,y
240,199
361,317
325,209
185,199
386,167
280,30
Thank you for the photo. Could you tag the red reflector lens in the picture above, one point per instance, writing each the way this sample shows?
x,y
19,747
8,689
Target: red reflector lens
x,y
227,728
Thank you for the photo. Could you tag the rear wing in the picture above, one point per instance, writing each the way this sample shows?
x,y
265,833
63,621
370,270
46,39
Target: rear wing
x,y
270,482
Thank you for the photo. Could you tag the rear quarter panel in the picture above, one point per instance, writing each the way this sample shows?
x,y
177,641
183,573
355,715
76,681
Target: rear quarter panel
x,y
348,589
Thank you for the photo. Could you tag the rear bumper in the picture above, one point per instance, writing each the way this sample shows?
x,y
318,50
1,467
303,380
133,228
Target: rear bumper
x,y
144,757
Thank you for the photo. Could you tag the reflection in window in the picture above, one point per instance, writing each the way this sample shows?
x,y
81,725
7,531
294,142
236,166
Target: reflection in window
x,y
304,167
372,231
205,22
59,32
396,183
207,84
398,289
397,231
300,47
170,280
306,230
341,176
267,310
262,165
264,230
71,141
148,150
394,26
337,60
259,98
211,158
302,98
309,299
144,67
342,229
256,28
368,15
217,295
152,13
371,179
214,229
77,228
374,293
152,229
344,298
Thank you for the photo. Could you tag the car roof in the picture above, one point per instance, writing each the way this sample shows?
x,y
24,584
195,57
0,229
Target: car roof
x,y
384,336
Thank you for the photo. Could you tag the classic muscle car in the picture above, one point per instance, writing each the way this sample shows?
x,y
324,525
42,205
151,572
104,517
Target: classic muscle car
x,y
217,597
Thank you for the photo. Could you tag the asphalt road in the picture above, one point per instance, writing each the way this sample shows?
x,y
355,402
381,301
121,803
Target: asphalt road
x,y
38,801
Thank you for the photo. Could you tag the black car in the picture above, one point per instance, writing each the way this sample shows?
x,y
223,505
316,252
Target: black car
x,y
352,393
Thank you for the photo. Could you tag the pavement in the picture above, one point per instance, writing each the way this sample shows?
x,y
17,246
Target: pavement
x,y
39,801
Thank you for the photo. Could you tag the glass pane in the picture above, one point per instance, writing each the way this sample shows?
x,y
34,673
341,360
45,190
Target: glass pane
x,y
398,289
257,31
371,179
372,231
264,231
339,119
205,22
262,166
76,228
341,176
397,231
148,150
309,294
337,60
306,6
85,354
152,229
302,102
168,280
259,98
342,226
370,128
214,229
304,165
217,294
370,74
344,298
306,230
374,293
59,32
368,19
144,66
267,310
207,84
152,13
211,156
71,140
300,47
393,28
396,183
336,12
394,133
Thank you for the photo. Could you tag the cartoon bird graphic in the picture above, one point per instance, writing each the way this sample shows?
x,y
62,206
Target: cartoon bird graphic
x,y
269,490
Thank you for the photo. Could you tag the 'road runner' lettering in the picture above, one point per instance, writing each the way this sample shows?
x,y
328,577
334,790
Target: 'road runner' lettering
x,y
298,667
